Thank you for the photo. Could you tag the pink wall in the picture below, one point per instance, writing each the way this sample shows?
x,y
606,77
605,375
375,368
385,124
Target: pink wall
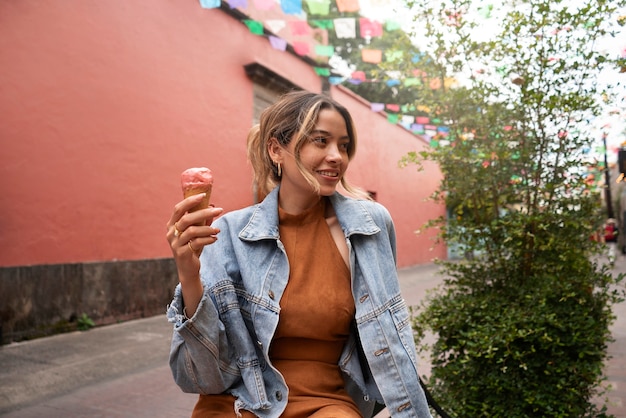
x,y
103,104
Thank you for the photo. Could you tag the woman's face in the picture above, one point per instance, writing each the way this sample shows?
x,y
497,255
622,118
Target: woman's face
x,y
324,155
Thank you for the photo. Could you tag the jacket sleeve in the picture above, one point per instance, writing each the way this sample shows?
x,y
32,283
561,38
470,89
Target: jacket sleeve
x,y
391,231
199,353
384,221
201,357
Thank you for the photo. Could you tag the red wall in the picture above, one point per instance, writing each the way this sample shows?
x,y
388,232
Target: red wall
x,y
103,104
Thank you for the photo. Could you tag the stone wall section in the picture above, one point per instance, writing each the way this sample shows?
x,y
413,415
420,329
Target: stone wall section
x,y
41,300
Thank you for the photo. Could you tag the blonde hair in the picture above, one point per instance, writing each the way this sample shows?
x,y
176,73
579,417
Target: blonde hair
x,y
292,118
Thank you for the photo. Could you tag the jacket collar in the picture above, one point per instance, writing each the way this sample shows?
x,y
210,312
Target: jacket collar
x,y
351,213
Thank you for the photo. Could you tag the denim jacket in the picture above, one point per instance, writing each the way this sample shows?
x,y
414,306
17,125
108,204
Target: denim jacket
x,y
224,347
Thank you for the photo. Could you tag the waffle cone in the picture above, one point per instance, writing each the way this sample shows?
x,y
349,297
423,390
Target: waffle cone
x,y
205,202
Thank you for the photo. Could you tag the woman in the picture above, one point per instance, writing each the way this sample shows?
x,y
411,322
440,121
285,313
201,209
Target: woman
x,y
293,308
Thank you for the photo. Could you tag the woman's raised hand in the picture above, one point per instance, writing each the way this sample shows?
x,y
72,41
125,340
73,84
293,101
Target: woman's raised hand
x,y
188,233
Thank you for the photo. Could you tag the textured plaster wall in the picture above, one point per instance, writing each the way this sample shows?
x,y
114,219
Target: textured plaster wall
x,y
102,106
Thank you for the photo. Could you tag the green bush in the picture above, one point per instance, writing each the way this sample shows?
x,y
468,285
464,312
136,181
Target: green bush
x,y
521,327
529,346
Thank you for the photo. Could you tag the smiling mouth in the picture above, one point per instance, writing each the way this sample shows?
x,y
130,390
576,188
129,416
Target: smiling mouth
x,y
328,173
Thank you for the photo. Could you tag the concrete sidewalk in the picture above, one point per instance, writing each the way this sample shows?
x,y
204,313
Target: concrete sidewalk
x,y
122,370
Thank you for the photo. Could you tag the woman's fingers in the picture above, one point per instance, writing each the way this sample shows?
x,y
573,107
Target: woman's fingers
x,y
182,207
195,226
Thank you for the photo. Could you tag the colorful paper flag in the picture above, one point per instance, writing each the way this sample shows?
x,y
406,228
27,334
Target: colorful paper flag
x,y
345,28
407,121
278,43
348,6
325,72
373,56
210,4
264,4
318,7
254,26
322,23
275,25
299,27
335,80
417,128
324,50
358,75
434,83
238,3
301,48
391,25
370,28
291,7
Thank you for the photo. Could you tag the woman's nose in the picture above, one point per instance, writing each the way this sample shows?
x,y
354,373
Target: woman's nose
x,y
333,153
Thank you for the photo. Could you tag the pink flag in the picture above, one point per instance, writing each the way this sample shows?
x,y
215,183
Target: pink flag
x,y
264,4
299,27
370,28
358,75
301,48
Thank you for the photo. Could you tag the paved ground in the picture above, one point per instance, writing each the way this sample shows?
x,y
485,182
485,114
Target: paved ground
x,y
121,370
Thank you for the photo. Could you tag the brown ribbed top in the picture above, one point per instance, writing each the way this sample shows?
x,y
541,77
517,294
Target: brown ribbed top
x,y
317,309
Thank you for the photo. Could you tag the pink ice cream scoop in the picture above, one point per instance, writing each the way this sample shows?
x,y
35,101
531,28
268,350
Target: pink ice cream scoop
x,y
195,181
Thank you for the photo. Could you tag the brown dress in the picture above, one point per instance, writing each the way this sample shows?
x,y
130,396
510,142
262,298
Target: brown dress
x,y
317,308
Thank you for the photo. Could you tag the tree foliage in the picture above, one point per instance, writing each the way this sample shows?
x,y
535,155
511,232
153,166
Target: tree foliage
x,y
522,328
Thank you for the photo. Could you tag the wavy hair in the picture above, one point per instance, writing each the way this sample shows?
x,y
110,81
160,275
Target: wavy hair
x,y
292,118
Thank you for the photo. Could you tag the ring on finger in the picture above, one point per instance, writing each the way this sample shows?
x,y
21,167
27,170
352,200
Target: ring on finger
x,y
177,232
193,250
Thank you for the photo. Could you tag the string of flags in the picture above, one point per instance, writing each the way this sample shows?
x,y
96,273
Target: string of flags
x,y
300,31
345,28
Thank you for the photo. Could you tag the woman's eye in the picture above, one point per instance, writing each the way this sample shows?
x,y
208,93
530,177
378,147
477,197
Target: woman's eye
x,y
344,146
319,139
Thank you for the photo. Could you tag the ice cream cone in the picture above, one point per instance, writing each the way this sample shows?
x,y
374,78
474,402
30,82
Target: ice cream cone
x,y
204,203
195,181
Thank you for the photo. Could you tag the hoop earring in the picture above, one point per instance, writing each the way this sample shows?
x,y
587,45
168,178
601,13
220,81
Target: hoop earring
x,y
280,170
